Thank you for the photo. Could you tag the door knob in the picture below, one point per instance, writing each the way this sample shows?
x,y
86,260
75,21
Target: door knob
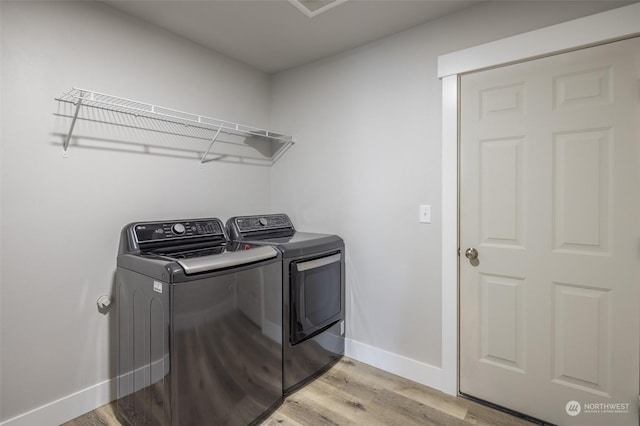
x,y
471,253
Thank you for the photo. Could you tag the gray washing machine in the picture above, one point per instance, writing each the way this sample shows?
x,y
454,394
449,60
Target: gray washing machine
x,y
313,273
200,326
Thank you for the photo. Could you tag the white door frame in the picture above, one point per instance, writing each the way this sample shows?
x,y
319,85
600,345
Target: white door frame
x,y
597,29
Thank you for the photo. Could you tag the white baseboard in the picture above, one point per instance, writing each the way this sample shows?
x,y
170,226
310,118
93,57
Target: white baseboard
x,y
399,365
68,407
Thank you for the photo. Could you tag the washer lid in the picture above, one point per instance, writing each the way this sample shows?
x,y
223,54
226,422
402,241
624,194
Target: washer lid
x,y
227,259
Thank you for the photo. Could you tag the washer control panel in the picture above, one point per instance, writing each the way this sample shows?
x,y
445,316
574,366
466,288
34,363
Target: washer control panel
x,y
262,223
159,231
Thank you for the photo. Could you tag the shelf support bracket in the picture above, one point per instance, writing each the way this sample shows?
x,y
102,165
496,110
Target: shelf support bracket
x,y
211,144
65,146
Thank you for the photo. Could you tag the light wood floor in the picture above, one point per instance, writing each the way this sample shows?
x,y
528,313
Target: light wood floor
x,y
353,393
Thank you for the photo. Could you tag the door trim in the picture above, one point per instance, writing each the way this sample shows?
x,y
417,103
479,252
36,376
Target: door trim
x,y
601,28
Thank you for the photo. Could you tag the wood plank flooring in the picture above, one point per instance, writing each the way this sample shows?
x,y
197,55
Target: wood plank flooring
x,y
353,393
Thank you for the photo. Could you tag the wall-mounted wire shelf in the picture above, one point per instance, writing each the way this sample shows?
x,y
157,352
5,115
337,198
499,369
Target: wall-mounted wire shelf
x,y
156,118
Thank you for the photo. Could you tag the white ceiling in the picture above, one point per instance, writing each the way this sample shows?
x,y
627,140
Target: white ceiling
x,y
274,35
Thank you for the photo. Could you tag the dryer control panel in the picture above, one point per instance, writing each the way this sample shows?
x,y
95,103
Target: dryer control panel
x,y
241,227
262,223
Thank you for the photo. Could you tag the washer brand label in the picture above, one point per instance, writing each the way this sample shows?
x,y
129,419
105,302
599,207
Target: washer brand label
x,y
157,286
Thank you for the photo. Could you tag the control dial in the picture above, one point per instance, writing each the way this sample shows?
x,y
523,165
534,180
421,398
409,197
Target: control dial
x,y
178,229
263,221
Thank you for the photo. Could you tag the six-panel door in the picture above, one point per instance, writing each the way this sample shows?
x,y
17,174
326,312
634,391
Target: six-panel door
x,y
550,190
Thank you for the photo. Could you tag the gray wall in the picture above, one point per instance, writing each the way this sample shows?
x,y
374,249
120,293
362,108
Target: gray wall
x,y
61,217
368,125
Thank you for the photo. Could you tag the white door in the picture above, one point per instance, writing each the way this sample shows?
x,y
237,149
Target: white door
x,y
549,199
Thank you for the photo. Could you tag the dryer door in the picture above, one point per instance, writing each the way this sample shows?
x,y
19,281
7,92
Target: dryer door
x,y
316,295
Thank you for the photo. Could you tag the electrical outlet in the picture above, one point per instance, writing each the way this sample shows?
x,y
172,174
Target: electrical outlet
x,y
425,213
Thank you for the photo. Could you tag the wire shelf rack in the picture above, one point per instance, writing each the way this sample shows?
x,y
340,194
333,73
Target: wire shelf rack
x,y
157,117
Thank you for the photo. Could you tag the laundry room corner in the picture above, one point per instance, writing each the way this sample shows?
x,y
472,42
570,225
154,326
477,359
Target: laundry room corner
x,y
106,124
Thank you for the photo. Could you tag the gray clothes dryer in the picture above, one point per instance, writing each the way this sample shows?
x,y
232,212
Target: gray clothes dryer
x,y
313,273
200,326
